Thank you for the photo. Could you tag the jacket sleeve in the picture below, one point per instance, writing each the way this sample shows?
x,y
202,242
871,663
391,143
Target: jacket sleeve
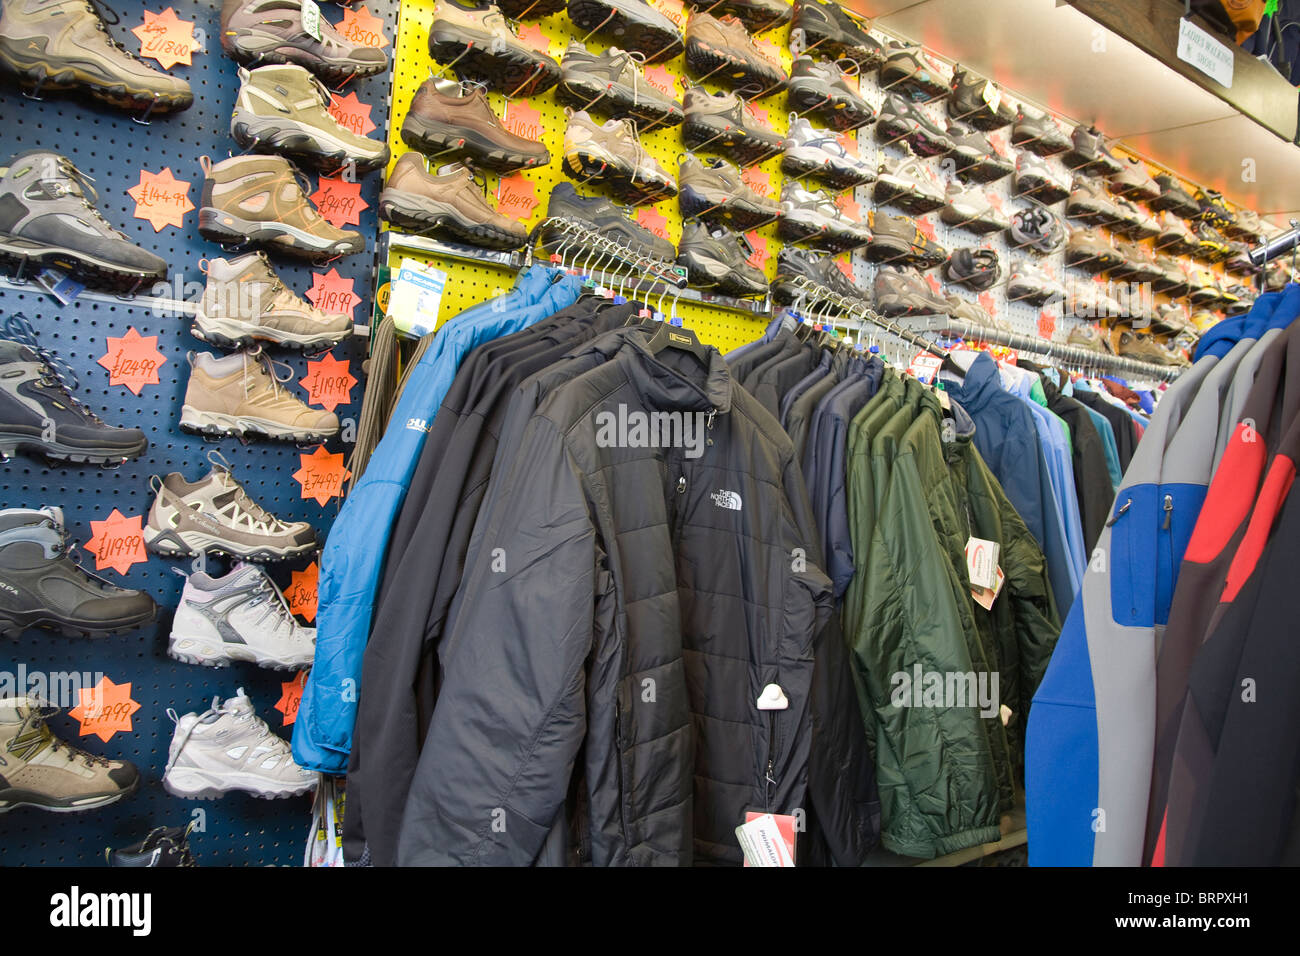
x,y
511,714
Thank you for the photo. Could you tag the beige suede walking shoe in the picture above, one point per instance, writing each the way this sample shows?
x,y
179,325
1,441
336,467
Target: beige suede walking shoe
x,y
245,302
241,395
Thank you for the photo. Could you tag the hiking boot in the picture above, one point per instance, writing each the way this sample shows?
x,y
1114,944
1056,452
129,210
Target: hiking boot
x,y
758,16
161,847
1133,182
598,215
1088,336
612,155
1169,319
971,210
905,293
634,24
972,312
1246,225
821,155
1089,203
259,199
834,33
1088,153
1175,238
284,109
976,157
901,119
1174,198
37,769
908,184
976,269
42,586
1142,348
970,100
1238,261
722,51
908,68
1090,252
257,32
214,515
1036,179
1038,133
1173,281
241,395
1037,229
611,83
716,261
447,203
793,264
1031,283
65,45
40,414
807,214
712,189
239,617
245,302
479,40
229,748
897,239
458,125
722,123
1139,224
820,90
1213,208
1138,262
1210,244
48,218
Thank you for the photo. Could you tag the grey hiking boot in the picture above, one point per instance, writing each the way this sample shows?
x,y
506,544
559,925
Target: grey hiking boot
x,y
227,748
611,83
717,262
611,154
245,302
215,515
242,395
448,202
256,32
65,45
48,218
42,586
712,189
37,769
259,199
479,40
723,123
239,617
284,109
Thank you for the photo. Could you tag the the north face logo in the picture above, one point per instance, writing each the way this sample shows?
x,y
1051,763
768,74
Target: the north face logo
x,y
418,424
726,499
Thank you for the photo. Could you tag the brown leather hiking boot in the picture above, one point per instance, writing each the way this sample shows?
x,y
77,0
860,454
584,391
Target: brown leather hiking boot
x,y
449,201
451,122
611,154
241,395
722,50
259,199
478,39
255,32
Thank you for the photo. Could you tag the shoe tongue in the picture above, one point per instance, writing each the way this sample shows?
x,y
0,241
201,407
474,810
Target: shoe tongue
x,y
55,513
239,705
242,572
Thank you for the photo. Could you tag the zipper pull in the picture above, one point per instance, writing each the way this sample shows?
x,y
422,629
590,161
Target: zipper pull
x,y
1169,511
708,439
681,485
770,778
1119,513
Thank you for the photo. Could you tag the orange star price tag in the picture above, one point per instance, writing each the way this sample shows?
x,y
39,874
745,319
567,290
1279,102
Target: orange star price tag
x,y
531,34
1046,324
849,143
934,285
516,197
329,383
322,475
760,114
846,268
351,113
161,199
291,697
652,220
105,709
848,206
757,180
927,228
302,590
117,542
990,306
759,259
522,119
333,293
769,50
674,10
661,80
363,27
339,201
133,360
165,38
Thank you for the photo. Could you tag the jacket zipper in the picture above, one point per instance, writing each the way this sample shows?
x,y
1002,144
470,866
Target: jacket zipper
x,y
769,775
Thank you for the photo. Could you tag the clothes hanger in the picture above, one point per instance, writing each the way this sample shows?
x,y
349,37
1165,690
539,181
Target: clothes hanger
x,y
677,337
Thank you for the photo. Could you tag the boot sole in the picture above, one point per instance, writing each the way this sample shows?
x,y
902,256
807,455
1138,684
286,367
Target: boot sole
x,y
835,45
301,142
706,272
734,212
791,230
587,166
838,113
26,256
451,143
980,227
35,73
824,172
190,544
912,204
583,93
12,443
198,785
898,80
217,656
14,797
230,230
213,423
410,214
735,73
14,625
743,146
233,334
981,170
628,34
507,69
333,74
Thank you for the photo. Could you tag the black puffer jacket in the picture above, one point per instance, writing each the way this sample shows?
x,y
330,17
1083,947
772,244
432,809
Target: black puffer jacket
x,y
619,618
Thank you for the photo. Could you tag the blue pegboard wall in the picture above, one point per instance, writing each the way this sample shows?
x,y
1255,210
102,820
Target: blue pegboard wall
x,y
110,147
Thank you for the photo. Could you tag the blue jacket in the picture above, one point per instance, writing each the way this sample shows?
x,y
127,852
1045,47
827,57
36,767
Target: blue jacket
x,y
353,558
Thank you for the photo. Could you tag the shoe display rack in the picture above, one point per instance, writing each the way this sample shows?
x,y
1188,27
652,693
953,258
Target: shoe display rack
x,y
112,148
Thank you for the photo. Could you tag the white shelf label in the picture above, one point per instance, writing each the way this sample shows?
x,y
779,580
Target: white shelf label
x,y
1204,52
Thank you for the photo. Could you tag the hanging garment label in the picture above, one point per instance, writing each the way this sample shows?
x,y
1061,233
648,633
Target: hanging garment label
x,y
59,285
416,298
1204,52
985,597
925,367
982,562
311,19
767,839
105,709
992,96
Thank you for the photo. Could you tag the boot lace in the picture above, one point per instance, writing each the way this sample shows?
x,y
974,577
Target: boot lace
x,y
57,373
275,606
243,503
102,12
77,184
38,716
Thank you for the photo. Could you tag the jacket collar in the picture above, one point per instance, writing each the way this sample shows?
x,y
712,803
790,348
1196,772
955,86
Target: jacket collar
x,y
981,383
663,387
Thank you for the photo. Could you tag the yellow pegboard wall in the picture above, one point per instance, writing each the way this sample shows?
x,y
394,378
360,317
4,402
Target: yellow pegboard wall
x,y
469,284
